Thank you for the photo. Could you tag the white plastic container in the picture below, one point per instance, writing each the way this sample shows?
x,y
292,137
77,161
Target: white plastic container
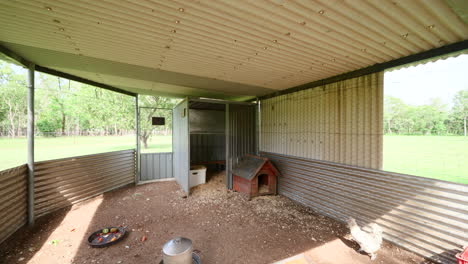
x,y
197,175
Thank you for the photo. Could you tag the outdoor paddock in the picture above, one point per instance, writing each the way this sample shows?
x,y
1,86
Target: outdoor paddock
x,y
223,225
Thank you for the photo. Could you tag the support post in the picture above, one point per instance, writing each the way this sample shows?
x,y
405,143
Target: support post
x,y
228,151
30,132
257,127
137,126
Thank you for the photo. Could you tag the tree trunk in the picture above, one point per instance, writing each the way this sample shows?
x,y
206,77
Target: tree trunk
x,y
144,138
63,123
464,126
145,142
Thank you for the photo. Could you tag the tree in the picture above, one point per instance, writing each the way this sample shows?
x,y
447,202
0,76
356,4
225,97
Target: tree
x,y
460,110
153,102
394,114
13,107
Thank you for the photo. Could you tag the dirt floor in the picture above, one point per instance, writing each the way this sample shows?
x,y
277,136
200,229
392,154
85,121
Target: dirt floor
x,y
224,226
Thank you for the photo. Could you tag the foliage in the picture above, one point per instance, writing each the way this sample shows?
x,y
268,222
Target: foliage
x,y
432,119
460,112
154,106
64,107
13,107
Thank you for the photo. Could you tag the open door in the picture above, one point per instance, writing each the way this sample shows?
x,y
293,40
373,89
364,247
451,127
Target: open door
x,y
241,135
181,144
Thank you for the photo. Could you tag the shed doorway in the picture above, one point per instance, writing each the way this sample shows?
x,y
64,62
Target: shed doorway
x,y
207,129
214,134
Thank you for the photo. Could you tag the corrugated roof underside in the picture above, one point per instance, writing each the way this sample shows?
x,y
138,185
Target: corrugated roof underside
x,y
274,44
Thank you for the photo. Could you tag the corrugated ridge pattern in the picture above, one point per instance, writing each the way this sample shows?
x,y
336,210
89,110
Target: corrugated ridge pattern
x,y
339,122
240,134
181,144
426,216
155,166
13,200
63,182
275,44
207,147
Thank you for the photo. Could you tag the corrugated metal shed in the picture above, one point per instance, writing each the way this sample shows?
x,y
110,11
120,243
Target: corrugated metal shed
x,y
339,122
13,201
156,166
426,216
63,182
431,60
181,144
225,49
240,135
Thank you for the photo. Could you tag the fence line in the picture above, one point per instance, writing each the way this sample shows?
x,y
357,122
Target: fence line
x,y
13,200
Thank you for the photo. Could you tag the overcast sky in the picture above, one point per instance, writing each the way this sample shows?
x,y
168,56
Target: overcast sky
x,y
416,85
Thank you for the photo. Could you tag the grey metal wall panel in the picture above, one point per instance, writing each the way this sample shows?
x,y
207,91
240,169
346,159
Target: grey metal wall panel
x,y
207,121
13,200
155,166
240,134
426,216
60,183
339,122
207,147
181,144
207,133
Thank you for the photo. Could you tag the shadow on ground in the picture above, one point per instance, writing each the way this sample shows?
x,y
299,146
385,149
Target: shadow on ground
x,y
25,243
224,226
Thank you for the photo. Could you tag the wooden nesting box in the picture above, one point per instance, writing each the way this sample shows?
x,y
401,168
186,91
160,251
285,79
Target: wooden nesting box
x,y
255,176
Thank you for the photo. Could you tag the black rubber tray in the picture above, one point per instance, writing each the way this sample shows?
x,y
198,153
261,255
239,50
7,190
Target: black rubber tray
x,y
107,239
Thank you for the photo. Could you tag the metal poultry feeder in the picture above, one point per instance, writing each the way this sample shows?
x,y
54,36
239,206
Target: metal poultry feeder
x,y
179,250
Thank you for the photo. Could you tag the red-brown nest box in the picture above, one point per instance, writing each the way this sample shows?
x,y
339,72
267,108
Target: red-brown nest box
x,y
255,176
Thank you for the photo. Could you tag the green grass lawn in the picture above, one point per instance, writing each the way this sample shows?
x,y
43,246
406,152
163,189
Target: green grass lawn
x,y
438,157
13,152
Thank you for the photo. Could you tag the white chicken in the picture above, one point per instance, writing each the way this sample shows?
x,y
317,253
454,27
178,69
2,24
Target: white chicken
x,y
369,242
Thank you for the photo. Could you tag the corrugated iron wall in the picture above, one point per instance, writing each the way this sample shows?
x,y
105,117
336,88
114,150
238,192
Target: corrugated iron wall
x,y
240,135
60,183
340,122
13,200
327,143
156,166
207,132
273,44
426,216
181,144
207,147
